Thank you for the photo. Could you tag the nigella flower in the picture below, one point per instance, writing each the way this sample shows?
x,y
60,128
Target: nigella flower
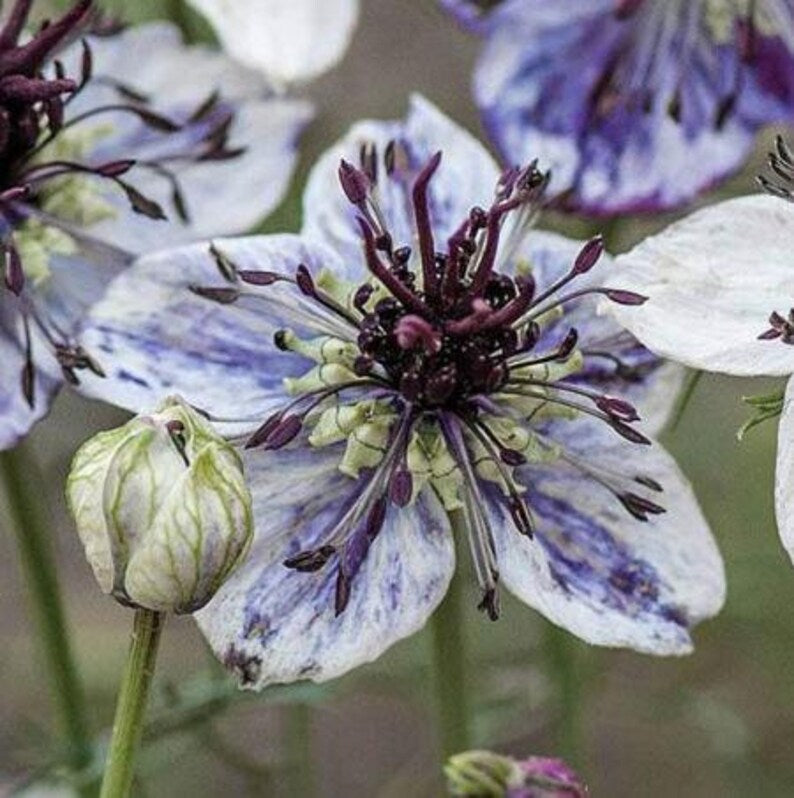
x,y
290,41
100,140
718,283
637,105
415,357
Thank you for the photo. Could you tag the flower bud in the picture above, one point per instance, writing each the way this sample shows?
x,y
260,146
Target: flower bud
x,y
162,509
483,774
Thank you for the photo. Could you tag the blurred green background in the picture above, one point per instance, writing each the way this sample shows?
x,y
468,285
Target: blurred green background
x,y
717,723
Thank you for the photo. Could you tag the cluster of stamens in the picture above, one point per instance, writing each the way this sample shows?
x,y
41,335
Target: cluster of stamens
x,y
35,95
448,342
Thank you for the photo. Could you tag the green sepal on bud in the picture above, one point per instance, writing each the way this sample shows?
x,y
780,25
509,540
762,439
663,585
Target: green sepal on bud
x,y
162,509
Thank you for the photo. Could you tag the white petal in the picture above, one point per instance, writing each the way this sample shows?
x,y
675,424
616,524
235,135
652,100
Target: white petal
x,y
154,337
272,624
289,41
784,473
599,573
712,281
466,177
222,197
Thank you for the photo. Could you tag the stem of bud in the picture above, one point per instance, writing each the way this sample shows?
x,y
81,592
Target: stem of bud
x,y
131,705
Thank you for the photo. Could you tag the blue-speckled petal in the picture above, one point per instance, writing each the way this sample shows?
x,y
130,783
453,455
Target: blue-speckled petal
x,y
272,624
467,176
222,197
153,336
542,87
598,572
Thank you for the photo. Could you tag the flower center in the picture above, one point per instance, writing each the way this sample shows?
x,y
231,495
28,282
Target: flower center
x,y
436,371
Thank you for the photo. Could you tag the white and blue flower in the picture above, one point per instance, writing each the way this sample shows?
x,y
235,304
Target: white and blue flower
x,y
720,288
100,140
637,105
410,363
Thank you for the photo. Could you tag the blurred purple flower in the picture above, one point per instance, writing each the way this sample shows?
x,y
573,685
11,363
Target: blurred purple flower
x,y
100,140
637,105
483,774
430,358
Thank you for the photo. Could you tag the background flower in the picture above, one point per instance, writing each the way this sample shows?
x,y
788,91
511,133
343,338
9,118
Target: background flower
x,y
289,41
635,105
184,133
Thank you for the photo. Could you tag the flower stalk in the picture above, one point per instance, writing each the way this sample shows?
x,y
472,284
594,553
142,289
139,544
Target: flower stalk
x,y
449,662
17,471
131,705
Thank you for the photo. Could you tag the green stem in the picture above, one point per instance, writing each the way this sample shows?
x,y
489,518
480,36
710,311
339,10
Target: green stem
x,y
564,672
299,743
131,706
24,497
450,655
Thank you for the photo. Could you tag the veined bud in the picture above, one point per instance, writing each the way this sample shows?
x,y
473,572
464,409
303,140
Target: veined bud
x,y
162,509
483,774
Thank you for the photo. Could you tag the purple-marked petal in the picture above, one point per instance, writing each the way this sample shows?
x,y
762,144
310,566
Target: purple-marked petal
x,y
154,336
713,279
466,176
632,114
271,623
288,41
222,197
598,572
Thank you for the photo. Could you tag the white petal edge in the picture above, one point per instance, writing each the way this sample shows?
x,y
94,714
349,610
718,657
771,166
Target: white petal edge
x,y
784,472
712,280
289,41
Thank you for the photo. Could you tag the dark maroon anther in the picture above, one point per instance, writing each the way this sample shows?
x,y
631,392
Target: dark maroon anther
x,y
628,432
368,160
280,340
589,255
640,507
480,312
424,226
115,168
13,273
342,593
513,311
649,482
362,296
401,487
259,277
401,256
441,385
310,561
623,410
414,332
223,296
28,380
780,328
284,432
363,365
490,604
724,110
519,512
512,457
625,297
354,182
568,345
262,433
305,281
